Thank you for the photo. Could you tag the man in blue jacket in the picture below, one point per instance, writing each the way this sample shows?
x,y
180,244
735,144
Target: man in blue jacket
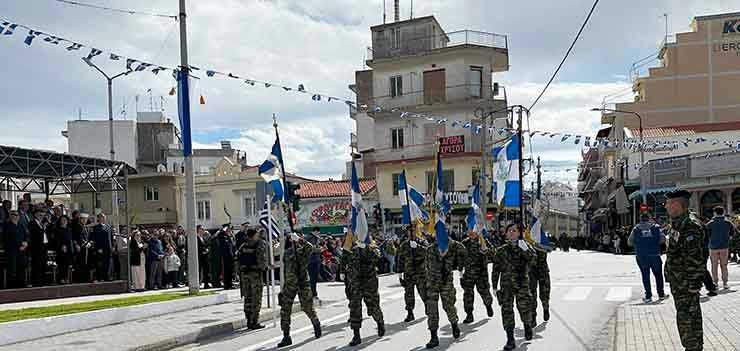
x,y
720,230
647,237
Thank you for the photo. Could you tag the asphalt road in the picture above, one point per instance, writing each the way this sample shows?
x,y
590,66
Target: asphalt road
x,y
587,288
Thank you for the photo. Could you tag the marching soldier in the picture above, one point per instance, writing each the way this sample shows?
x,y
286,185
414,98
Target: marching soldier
x,y
684,268
439,267
364,287
252,265
511,263
476,275
411,257
297,253
539,276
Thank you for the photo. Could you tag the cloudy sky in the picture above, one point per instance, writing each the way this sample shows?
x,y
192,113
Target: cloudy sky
x,y
318,43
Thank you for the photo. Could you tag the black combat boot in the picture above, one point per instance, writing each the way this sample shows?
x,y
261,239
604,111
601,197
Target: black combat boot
x,y
489,309
356,340
468,317
409,316
317,329
381,329
287,341
510,342
528,333
434,340
534,318
455,331
254,325
546,314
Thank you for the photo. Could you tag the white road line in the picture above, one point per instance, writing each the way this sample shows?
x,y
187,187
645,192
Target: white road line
x,y
619,293
579,293
324,322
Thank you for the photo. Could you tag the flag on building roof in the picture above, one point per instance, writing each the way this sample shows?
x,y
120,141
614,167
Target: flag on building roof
x,y
506,183
359,219
412,202
271,172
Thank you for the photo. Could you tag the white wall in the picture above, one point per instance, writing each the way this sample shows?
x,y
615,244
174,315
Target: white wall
x,y
201,165
91,139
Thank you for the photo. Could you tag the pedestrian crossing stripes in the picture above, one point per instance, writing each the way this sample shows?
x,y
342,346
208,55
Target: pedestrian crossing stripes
x,y
611,294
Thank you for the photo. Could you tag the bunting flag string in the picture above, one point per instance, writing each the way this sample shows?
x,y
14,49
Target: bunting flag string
x,y
133,64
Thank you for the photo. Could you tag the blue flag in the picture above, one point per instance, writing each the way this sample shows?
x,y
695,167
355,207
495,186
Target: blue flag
x,y
443,208
359,219
412,202
183,109
272,172
506,183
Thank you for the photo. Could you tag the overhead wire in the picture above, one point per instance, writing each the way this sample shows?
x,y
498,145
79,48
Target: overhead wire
x,y
575,40
112,9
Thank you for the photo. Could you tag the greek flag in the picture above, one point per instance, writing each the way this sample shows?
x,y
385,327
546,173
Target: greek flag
x,y
359,220
271,172
412,202
273,229
537,232
475,219
506,183
442,207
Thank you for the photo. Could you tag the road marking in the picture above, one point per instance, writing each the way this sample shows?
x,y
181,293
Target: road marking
x,y
619,293
324,322
578,293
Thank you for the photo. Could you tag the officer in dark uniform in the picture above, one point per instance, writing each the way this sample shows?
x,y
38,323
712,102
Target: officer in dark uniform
x,y
203,260
226,255
684,267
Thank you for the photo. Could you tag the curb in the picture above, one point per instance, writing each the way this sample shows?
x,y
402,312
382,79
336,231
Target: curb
x,y
207,332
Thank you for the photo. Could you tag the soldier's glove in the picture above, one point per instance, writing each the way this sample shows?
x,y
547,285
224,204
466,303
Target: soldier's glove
x,y
401,280
361,245
294,237
523,245
413,244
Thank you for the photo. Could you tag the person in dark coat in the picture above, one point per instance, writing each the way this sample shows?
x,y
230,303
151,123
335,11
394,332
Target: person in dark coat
x,y
226,254
83,247
16,248
65,248
38,246
102,243
203,259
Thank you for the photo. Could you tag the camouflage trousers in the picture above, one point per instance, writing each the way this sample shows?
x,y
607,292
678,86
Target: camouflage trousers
x,y
410,281
541,282
347,288
476,279
688,318
364,289
251,287
286,298
523,298
446,291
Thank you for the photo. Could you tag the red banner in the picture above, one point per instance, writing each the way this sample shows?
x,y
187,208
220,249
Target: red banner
x,y
452,145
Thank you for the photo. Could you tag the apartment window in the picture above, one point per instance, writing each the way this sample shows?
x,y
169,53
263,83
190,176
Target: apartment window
x,y
448,181
475,77
152,193
433,131
396,86
395,38
249,207
397,138
204,210
396,183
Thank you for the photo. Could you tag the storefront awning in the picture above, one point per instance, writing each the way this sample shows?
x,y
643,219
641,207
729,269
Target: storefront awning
x,y
637,194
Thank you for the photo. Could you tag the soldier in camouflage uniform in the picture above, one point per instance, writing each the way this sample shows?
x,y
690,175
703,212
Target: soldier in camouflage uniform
x,y
411,256
295,265
511,263
364,287
252,254
684,268
439,285
539,275
476,275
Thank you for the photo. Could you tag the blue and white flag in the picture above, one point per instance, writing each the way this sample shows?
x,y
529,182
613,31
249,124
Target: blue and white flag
x,y
506,183
359,219
412,202
273,228
538,233
442,208
272,172
475,219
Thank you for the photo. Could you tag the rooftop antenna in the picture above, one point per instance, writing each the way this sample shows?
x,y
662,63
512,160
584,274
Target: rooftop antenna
x,y
151,100
384,11
412,10
396,10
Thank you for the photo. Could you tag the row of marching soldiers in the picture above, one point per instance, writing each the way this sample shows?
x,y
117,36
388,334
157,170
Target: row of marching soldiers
x,y
519,271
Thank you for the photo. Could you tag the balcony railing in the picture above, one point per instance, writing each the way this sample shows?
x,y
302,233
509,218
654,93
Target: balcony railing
x,y
472,93
383,154
387,47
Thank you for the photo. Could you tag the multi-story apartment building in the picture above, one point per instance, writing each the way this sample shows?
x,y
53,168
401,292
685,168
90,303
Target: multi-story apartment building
x,y
419,70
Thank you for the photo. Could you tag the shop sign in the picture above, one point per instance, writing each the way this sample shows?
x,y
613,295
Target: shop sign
x,y
452,145
324,213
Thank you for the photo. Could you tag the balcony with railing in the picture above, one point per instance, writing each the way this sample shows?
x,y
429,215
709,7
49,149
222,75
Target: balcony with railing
x,y
389,47
430,98
426,150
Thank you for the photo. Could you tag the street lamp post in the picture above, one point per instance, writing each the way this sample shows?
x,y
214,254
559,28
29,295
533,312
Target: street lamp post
x,y
642,145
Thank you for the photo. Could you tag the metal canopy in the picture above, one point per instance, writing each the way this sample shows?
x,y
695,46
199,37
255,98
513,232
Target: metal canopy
x,y
53,173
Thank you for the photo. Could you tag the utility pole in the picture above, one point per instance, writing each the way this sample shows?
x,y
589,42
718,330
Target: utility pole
x,y
521,171
484,171
539,179
193,271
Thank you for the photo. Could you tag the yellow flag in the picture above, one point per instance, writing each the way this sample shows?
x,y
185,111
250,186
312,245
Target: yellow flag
x,y
348,241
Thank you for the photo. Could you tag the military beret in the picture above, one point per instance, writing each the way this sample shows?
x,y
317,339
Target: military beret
x,y
678,194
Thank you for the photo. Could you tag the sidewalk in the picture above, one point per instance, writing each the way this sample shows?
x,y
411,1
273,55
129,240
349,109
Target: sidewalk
x,y
652,327
167,331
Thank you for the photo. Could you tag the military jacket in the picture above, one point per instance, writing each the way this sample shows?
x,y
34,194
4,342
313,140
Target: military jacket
x,y
476,257
297,255
511,264
364,262
412,260
685,262
252,254
539,263
439,268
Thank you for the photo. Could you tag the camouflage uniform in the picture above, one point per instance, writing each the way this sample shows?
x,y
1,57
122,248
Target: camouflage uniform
x,y
363,283
295,264
252,266
476,274
511,264
439,281
539,274
412,262
684,270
